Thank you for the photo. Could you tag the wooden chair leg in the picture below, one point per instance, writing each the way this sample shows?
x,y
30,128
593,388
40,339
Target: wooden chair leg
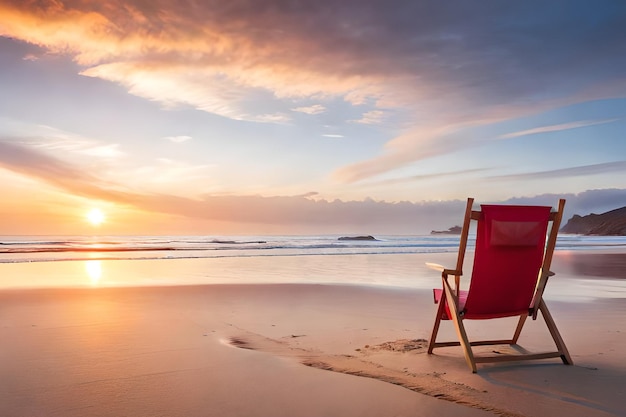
x,y
433,337
520,326
465,344
558,340
460,330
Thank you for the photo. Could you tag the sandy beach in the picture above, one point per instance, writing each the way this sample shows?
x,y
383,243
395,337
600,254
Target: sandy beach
x,y
298,349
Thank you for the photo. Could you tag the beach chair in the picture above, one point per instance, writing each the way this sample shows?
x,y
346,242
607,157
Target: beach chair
x,y
510,271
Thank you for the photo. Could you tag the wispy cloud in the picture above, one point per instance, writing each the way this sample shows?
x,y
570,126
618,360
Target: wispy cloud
x,y
53,139
168,174
556,128
178,139
372,117
278,118
584,170
417,143
36,164
314,109
438,175
104,151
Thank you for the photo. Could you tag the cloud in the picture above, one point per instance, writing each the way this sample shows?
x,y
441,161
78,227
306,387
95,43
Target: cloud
x,y
278,118
578,171
598,201
417,143
556,128
53,139
174,87
178,139
104,151
314,109
373,117
163,173
412,178
36,164
583,203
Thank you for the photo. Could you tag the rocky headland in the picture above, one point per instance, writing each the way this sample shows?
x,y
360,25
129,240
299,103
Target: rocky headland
x,y
611,223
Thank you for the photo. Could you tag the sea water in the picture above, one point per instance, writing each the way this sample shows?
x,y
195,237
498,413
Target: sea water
x,y
55,248
390,261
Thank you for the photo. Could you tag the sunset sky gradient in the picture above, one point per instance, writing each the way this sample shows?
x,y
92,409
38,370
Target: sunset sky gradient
x,y
278,116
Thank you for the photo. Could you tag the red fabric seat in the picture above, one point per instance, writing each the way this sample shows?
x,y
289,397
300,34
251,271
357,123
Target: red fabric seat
x,y
510,242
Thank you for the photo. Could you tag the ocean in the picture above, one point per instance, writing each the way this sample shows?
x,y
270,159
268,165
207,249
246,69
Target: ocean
x,y
28,262
63,248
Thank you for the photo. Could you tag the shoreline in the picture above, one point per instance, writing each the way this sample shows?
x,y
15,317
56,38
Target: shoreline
x,y
405,270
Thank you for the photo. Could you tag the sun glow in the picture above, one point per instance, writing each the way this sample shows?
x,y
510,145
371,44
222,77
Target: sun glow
x,y
95,217
94,271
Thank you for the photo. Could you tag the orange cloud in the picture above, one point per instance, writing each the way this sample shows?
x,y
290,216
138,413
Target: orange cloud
x,y
207,57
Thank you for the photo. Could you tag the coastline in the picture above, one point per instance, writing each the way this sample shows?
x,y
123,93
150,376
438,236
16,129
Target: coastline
x,y
240,349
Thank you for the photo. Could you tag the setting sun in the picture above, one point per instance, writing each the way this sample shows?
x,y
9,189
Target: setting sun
x,y
95,217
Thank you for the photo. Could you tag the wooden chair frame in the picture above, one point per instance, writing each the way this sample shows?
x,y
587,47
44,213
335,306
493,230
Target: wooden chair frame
x,y
538,305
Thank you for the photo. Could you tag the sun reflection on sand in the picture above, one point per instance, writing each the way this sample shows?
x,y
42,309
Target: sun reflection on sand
x,y
94,271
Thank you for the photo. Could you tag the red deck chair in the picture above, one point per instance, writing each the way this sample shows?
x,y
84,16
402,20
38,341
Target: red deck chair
x,y
511,269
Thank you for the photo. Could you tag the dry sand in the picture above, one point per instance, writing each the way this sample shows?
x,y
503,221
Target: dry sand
x,y
243,350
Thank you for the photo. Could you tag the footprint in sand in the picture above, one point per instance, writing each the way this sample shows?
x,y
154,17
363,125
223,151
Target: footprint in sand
x,y
431,384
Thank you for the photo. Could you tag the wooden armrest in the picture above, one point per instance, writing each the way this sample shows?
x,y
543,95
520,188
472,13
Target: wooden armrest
x,y
442,269
436,267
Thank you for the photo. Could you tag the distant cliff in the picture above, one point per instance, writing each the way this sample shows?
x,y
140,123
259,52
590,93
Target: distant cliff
x,y
611,223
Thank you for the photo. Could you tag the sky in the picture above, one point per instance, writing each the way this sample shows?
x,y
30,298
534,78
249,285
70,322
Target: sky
x,y
303,117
